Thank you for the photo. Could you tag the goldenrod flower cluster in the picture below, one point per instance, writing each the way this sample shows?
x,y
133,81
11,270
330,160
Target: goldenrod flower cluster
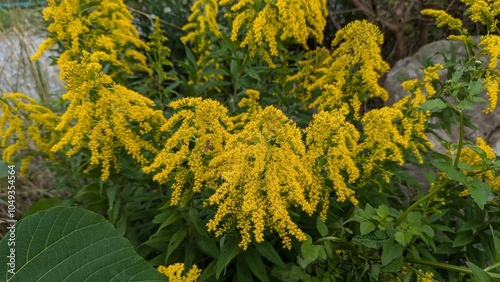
x,y
94,26
263,174
350,74
253,109
29,125
491,82
484,12
174,273
444,19
201,24
472,158
331,137
264,26
255,174
103,116
197,130
384,140
389,131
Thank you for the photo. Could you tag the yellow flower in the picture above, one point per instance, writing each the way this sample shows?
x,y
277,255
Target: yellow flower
x,y
472,158
253,110
384,141
484,12
329,136
263,174
201,24
197,130
391,130
426,278
94,26
174,273
349,76
276,21
491,46
491,83
443,19
431,74
103,116
26,129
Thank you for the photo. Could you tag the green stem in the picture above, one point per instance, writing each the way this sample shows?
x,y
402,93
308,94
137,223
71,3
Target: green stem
x,y
493,266
336,240
446,266
460,139
443,184
421,200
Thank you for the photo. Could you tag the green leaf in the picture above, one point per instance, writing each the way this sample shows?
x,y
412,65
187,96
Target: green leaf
x,y
433,104
172,217
414,217
496,243
321,226
451,172
176,240
403,238
207,245
479,191
462,239
228,251
292,274
383,211
242,271
208,272
478,273
366,227
44,204
395,265
465,105
442,227
471,225
391,251
266,250
256,265
475,87
428,230
372,240
72,244
309,252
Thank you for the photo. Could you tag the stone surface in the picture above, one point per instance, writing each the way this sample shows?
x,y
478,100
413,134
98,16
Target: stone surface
x,y
411,67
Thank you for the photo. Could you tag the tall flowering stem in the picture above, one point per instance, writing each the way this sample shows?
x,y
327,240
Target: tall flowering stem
x,y
94,26
103,116
26,126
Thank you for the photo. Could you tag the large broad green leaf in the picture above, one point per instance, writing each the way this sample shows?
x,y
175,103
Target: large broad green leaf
x,y
72,244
